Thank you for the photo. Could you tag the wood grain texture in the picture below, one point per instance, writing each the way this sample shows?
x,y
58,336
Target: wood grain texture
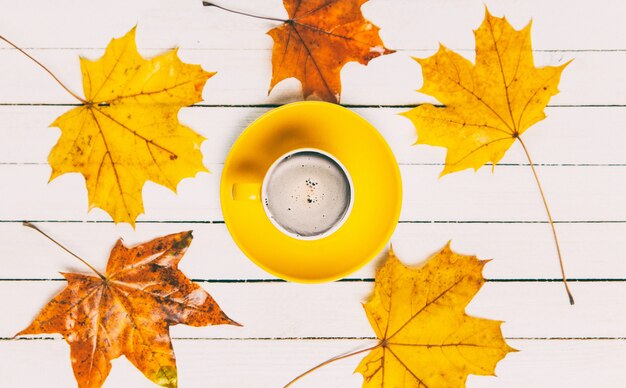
x,y
272,363
529,309
565,137
404,23
576,194
519,250
243,77
291,327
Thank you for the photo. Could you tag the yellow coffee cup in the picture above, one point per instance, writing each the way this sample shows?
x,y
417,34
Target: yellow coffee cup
x,y
272,209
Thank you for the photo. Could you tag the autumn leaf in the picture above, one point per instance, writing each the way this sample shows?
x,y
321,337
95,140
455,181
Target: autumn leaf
x,y
126,131
317,40
487,106
426,338
128,311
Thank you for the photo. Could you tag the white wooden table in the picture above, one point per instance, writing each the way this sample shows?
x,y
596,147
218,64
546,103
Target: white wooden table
x,y
580,147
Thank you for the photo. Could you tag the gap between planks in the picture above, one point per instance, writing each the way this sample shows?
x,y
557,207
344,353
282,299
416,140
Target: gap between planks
x,y
352,280
355,106
428,50
412,164
221,222
48,338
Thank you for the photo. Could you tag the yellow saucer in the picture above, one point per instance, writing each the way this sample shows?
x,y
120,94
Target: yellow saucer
x,y
363,152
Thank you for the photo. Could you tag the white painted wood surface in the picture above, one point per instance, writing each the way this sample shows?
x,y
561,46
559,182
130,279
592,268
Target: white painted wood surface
x,y
291,327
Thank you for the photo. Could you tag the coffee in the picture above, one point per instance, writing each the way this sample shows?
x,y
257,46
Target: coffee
x,y
307,194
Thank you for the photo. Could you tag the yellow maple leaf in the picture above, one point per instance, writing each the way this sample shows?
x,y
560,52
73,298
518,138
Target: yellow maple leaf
x,y
127,132
487,106
426,339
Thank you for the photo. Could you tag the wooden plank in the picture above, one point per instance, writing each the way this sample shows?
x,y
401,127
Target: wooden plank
x,y
494,216
509,194
519,251
570,135
281,310
405,23
273,363
243,77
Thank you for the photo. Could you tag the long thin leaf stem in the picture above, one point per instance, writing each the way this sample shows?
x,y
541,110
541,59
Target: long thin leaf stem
x,y
45,68
545,203
32,226
210,4
330,361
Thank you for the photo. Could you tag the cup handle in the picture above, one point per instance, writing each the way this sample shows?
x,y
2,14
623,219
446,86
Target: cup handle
x,y
246,191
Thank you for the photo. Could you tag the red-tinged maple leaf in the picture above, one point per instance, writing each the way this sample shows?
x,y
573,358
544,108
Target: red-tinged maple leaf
x,y
318,39
128,311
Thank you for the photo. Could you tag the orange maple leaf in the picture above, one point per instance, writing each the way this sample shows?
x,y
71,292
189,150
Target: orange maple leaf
x,y
318,39
128,311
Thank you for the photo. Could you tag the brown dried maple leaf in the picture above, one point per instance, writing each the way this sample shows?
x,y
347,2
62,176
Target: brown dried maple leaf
x,y
128,311
318,39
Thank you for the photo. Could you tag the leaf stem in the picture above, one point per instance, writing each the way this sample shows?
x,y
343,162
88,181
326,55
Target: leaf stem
x,y
210,4
32,226
331,360
45,68
545,203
